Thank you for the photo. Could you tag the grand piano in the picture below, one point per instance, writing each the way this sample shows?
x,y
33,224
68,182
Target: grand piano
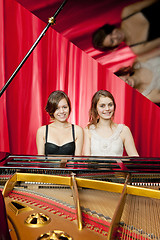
x,y
65,197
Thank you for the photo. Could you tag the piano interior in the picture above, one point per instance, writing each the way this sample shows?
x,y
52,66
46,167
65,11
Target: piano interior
x,y
64,197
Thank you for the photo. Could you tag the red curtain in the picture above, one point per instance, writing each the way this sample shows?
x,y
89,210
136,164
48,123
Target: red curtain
x,y
4,141
56,63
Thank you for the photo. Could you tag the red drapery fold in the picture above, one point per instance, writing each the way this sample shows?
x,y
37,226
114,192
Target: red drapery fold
x,y
57,63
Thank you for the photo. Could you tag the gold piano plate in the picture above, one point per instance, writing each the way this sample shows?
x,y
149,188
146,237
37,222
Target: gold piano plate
x,y
37,220
18,207
55,235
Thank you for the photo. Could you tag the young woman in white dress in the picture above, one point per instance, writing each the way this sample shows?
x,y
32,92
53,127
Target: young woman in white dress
x,y
102,136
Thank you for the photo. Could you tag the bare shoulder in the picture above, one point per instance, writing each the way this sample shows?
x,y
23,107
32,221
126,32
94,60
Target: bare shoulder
x,y
78,129
41,130
87,132
125,130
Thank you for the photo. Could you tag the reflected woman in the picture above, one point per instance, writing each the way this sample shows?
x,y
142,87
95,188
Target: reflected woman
x,y
137,29
60,137
104,137
143,76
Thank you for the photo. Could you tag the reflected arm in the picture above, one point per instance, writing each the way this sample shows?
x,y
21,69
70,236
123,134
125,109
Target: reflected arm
x,y
151,54
135,7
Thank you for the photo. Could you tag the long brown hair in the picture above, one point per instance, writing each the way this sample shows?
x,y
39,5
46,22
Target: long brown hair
x,y
93,114
53,101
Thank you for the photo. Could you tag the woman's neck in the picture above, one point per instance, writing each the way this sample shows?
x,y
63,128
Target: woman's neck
x,y
59,124
104,123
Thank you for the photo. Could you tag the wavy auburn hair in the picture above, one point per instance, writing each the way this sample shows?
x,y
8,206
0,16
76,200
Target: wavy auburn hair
x,y
93,114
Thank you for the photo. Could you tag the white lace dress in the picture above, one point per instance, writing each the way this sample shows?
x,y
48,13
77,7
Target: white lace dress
x,y
112,146
153,65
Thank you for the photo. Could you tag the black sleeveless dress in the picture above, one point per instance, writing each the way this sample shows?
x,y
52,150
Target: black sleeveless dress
x,y
66,149
152,14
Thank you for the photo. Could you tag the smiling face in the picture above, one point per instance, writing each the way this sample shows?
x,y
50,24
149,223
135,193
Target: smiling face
x,y
114,39
55,103
62,112
105,108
